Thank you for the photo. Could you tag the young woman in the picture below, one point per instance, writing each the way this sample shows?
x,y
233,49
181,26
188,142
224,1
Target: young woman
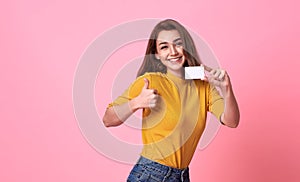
x,y
174,109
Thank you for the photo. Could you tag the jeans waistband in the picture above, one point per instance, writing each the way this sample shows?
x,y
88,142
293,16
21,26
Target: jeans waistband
x,y
163,168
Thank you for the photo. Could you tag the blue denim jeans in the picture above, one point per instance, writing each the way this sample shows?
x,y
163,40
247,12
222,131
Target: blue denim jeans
x,y
146,170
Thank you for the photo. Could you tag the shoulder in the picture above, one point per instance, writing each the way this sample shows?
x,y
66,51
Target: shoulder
x,y
157,75
153,77
157,80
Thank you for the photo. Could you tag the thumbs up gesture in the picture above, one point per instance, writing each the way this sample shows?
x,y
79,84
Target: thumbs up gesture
x,y
147,97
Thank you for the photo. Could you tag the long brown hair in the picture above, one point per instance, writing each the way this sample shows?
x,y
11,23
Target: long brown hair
x,y
151,64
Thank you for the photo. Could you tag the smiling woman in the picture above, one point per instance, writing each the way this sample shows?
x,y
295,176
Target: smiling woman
x,y
174,109
163,35
170,51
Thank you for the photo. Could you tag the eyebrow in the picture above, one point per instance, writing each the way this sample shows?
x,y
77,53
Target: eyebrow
x,y
173,41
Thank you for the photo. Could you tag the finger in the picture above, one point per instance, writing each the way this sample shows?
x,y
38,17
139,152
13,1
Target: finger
x,y
210,79
214,78
213,72
151,105
153,101
211,75
222,75
146,85
151,91
153,96
205,78
216,83
149,94
216,74
206,68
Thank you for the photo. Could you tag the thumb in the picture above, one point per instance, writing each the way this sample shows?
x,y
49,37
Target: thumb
x,y
146,85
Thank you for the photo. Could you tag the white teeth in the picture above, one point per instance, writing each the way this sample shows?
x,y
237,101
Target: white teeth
x,y
174,59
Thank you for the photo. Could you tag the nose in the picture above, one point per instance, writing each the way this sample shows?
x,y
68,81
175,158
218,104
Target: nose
x,y
173,50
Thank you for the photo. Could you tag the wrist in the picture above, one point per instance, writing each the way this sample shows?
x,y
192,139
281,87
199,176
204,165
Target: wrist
x,y
133,104
226,88
227,91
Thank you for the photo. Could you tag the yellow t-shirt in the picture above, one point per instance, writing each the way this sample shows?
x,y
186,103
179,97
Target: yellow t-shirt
x,y
171,130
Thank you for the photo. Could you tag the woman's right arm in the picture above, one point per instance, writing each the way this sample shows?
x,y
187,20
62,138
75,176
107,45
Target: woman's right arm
x,y
116,115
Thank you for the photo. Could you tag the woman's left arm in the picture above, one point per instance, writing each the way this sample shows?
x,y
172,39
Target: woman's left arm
x,y
220,78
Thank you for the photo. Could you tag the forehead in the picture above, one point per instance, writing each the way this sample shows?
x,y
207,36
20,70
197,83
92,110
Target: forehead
x,y
167,36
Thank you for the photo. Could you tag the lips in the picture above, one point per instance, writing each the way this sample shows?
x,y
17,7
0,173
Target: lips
x,y
176,60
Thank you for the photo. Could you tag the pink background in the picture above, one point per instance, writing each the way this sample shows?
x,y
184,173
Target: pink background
x,y
41,42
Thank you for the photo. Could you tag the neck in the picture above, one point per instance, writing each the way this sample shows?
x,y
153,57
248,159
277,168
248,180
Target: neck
x,y
177,73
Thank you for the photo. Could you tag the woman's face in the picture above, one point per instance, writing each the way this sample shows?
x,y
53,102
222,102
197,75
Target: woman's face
x,y
170,51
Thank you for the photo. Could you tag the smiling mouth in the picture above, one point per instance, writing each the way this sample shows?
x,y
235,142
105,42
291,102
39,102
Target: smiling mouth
x,y
176,60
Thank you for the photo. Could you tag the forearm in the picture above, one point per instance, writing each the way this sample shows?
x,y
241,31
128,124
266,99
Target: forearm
x,y
231,115
116,115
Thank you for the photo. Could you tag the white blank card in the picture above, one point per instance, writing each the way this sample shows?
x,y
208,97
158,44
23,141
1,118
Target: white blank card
x,y
194,72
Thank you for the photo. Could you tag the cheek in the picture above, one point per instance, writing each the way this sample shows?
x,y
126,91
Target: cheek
x,y
180,50
162,55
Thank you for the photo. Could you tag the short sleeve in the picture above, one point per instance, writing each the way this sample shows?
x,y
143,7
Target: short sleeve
x,y
131,92
215,102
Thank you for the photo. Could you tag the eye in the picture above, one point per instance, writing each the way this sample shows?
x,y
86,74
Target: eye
x,y
163,47
178,43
